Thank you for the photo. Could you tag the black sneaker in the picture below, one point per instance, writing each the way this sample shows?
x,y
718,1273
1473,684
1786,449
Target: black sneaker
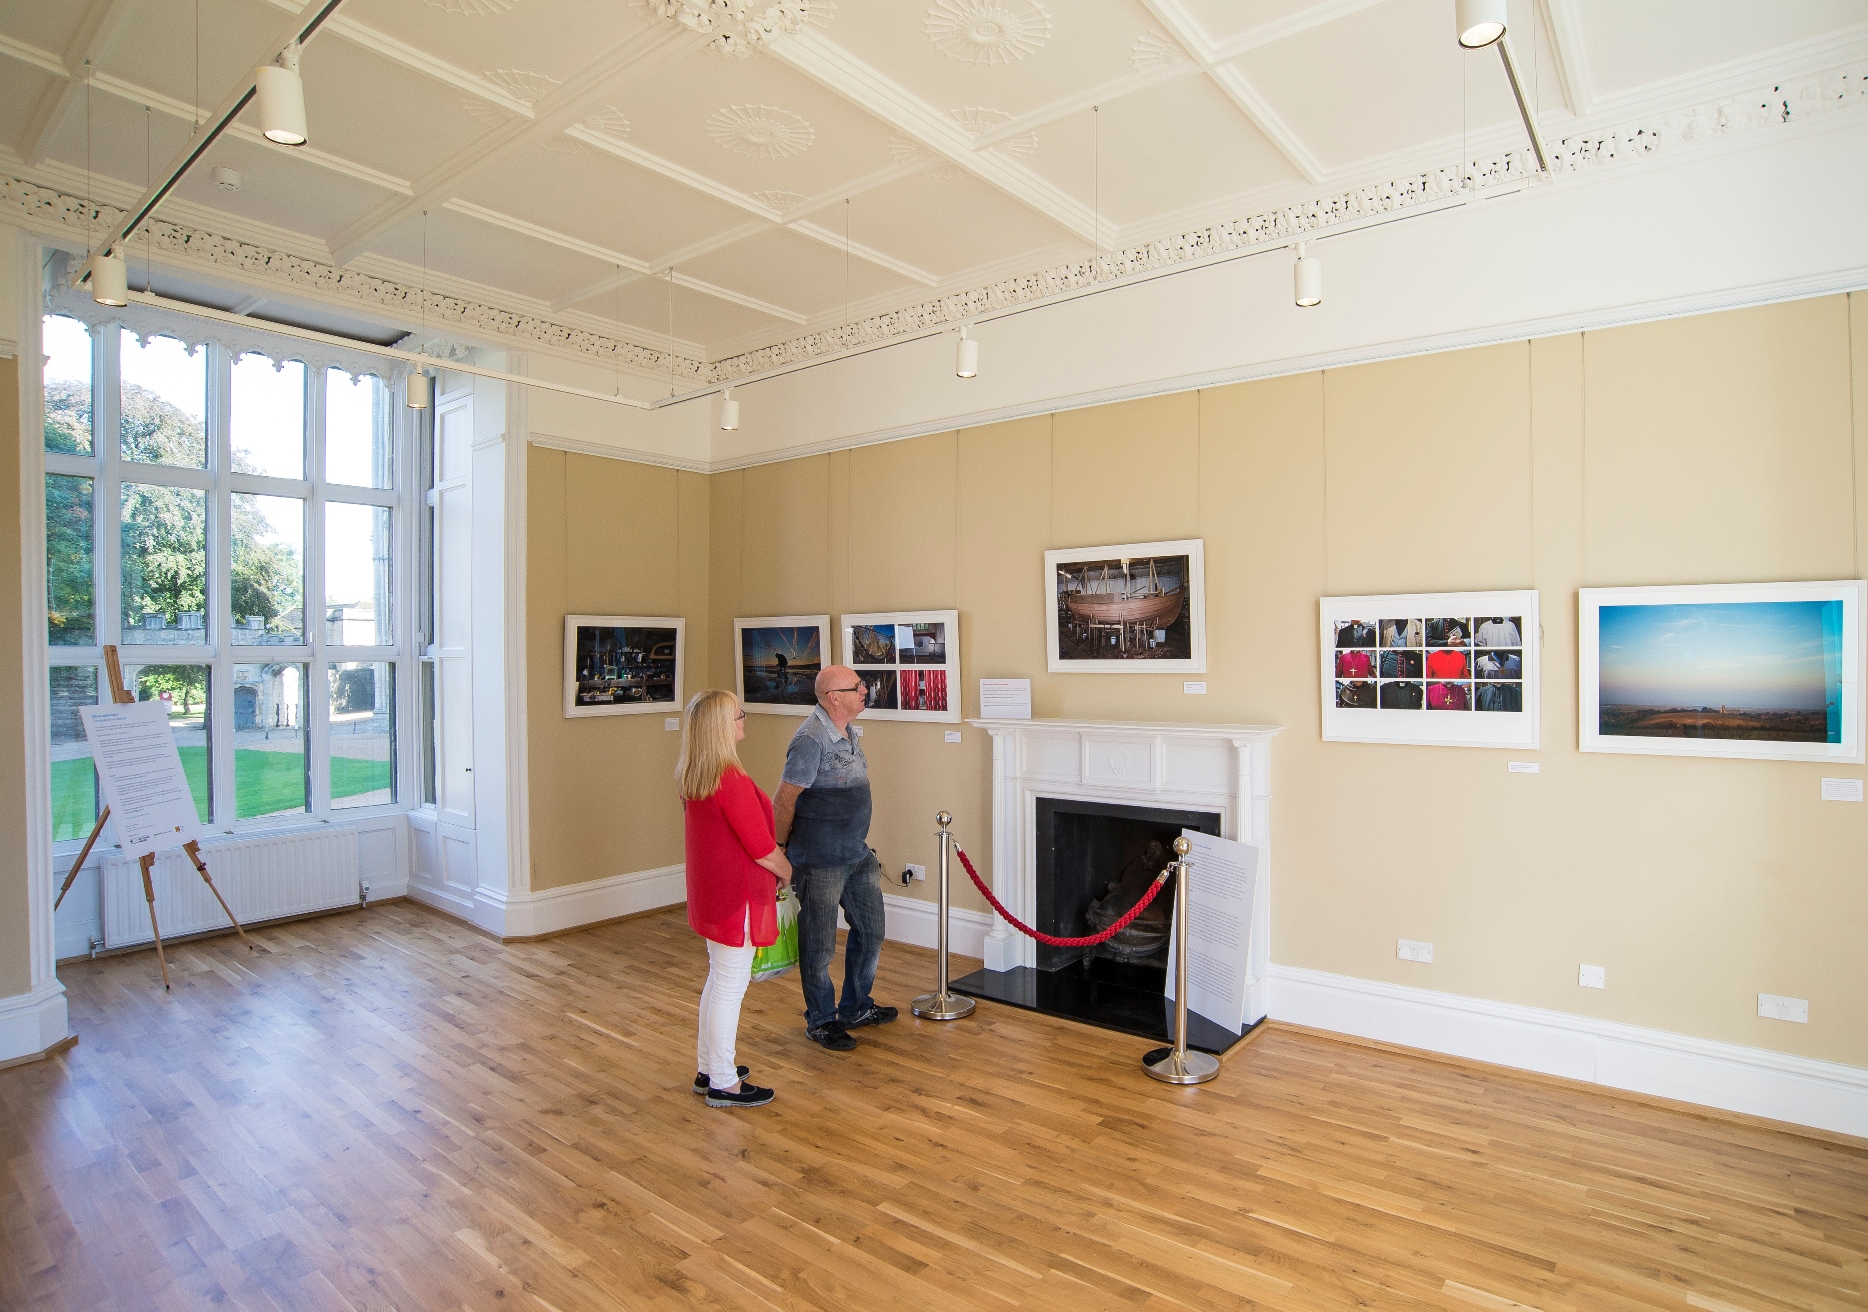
x,y
700,1079
873,1016
749,1095
832,1035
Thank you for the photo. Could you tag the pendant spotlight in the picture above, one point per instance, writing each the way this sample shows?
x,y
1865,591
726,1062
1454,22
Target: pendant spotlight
x,y
110,279
1481,22
281,96
965,356
729,412
1307,279
420,389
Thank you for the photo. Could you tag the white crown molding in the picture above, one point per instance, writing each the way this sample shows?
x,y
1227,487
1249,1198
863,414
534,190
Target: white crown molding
x,y
579,446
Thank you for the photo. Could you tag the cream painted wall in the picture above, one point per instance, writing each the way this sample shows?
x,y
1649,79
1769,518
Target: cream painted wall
x,y
15,924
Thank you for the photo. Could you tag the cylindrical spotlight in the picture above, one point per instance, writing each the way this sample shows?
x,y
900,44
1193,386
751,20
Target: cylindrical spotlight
x,y
420,390
1481,22
110,279
1307,279
729,412
281,96
965,356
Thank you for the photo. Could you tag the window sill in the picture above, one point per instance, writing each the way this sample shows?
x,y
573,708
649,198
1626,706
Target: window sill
x,y
65,850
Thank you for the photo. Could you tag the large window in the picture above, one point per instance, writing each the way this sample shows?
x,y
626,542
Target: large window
x,y
231,523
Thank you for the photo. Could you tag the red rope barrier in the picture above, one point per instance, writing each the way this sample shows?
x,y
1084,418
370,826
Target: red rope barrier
x,y
1087,941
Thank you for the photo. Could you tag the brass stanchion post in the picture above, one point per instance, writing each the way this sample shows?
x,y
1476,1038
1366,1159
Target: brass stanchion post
x,y
942,1004
1176,1065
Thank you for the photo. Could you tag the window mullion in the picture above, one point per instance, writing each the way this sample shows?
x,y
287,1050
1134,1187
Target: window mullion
x,y
318,702
222,784
106,493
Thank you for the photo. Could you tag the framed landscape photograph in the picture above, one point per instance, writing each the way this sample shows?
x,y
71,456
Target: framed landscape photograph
x,y
1432,669
909,660
622,664
1134,609
779,657
1765,671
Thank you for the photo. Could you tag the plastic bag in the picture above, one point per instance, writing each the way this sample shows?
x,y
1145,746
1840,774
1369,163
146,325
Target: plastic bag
x,y
770,963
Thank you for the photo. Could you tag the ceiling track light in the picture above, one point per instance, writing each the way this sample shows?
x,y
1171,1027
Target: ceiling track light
x,y
110,278
281,96
1307,279
729,412
965,356
1480,22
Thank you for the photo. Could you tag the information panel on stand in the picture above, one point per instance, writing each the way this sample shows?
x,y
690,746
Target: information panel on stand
x,y
151,805
1218,899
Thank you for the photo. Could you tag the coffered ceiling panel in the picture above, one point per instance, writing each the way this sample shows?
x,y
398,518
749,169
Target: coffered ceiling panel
x,y
367,108
48,26
154,45
644,305
277,189
26,88
1633,45
1228,20
796,272
461,247
947,225
550,39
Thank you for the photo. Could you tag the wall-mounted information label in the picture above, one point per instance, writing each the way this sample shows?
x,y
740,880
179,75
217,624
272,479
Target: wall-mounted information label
x,y
1194,687
1005,699
1842,790
1522,767
672,724
953,735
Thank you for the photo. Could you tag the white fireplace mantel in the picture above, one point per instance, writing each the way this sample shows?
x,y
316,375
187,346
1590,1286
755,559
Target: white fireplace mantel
x,y
1222,768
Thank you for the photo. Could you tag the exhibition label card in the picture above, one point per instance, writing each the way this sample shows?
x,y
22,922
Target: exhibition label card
x,y
1005,699
1221,892
145,786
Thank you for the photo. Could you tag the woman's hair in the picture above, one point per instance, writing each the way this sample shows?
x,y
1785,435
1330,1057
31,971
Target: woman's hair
x,y
707,744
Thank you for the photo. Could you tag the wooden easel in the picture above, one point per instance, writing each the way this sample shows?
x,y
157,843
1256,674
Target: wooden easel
x,y
118,693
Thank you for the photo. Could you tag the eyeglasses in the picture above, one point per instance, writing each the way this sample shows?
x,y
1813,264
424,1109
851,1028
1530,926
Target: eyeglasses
x,y
863,688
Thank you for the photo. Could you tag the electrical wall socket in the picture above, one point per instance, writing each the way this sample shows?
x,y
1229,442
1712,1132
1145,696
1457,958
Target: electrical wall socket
x,y
953,735
1592,977
919,872
1408,950
1773,1007
672,724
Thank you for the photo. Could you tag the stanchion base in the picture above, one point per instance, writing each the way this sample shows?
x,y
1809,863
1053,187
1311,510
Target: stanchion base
x,y
1194,1068
941,1006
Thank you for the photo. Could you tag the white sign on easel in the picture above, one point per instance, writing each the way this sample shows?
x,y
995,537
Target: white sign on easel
x,y
1219,928
145,786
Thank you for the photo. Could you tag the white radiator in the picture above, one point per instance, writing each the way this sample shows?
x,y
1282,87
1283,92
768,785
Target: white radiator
x,y
261,878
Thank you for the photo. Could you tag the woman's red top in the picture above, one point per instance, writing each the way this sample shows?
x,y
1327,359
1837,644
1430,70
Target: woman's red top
x,y
726,835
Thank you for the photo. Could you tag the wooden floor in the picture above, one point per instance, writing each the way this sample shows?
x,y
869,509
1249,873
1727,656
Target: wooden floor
x,y
385,1110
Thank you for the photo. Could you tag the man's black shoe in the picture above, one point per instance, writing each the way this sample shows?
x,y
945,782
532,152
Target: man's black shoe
x,y
700,1079
749,1095
832,1035
874,1016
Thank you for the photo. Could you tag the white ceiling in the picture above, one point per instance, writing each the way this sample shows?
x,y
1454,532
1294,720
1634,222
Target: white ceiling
x,y
893,152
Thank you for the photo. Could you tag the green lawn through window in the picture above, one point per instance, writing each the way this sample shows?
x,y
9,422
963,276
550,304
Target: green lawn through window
x,y
265,783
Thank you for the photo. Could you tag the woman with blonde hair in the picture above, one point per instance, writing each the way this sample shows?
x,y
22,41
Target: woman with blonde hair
x,y
734,871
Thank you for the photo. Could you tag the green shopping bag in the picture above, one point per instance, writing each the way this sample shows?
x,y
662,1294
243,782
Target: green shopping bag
x,y
770,963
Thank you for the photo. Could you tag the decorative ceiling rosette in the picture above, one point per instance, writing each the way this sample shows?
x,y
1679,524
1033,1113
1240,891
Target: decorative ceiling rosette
x,y
521,84
761,130
987,31
608,122
1152,50
740,27
780,200
907,151
976,120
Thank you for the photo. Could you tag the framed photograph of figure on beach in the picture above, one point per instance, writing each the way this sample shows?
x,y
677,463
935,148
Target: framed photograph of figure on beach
x,y
1432,669
1133,609
909,660
1765,671
622,664
779,658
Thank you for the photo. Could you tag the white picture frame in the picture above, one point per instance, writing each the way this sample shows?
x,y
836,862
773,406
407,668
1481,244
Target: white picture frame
x,y
776,688
1074,632
1680,663
877,646
625,657
1437,669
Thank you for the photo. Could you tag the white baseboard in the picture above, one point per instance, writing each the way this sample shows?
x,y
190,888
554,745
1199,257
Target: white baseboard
x,y
32,1022
555,910
1802,1091
913,921
382,889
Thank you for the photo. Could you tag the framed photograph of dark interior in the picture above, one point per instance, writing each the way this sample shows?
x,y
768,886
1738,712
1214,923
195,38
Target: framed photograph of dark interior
x,y
1765,671
1439,669
908,660
779,657
622,664
1133,609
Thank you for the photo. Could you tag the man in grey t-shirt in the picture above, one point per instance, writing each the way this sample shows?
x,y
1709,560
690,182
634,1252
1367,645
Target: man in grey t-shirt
x,y
822,814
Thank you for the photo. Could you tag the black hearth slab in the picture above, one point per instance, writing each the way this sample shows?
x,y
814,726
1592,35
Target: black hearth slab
x,y
1080,996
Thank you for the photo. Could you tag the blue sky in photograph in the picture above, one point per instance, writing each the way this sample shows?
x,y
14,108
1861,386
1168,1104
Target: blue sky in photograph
x,y
798,645
1764,655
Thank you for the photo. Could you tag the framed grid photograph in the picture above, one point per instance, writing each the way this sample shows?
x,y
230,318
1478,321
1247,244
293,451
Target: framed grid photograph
x,y
909,660
1765,671
1434,669
778,658
1134,609
622,664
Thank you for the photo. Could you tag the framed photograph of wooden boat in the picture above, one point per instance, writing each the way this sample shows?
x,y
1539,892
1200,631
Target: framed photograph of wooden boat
x,y
908,660
622,664
1134,609
779,660
1433,669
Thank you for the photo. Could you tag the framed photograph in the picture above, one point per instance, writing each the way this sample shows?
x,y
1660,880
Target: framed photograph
x,y
1433,669
909,660
622,664
1768,671
1135,609
779,660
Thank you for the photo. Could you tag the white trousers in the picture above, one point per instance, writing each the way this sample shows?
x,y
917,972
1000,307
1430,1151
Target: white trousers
x,y
729,971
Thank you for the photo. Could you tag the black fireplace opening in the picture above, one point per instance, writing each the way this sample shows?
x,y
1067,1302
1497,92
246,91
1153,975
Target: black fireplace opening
x,y
1094,860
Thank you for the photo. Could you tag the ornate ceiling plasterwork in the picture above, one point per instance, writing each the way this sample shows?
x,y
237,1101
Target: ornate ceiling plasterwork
x,y
473,8
907,151
779,200
522,84
762,130
740,27
976,119
1152,50
987,31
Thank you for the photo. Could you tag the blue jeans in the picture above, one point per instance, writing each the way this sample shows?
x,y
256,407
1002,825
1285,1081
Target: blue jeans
x,y
857,888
